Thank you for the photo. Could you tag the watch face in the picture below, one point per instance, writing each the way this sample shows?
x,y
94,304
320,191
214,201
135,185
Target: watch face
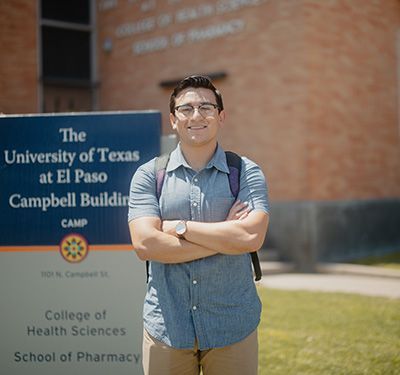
x,y
180,228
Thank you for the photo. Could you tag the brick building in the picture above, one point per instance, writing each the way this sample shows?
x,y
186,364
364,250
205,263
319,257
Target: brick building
x,y
311,89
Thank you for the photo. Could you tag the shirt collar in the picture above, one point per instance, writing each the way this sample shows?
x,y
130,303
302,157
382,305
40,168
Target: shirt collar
x,y
176,159
218,160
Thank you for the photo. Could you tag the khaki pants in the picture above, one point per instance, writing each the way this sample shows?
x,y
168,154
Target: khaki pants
x,y
237,359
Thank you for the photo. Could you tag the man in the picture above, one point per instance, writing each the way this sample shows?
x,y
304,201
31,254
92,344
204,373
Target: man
x,y
201,308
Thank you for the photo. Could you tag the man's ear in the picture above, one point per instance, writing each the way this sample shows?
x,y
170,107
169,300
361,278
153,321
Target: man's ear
x,y
172,120
222,117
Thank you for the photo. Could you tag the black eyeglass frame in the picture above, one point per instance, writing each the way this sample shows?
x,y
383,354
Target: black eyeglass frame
x,y
193,107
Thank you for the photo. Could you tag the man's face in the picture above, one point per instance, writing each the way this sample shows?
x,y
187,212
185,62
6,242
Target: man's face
x,y
200,127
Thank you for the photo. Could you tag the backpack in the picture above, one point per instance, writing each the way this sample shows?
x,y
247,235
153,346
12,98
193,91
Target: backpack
x,y
234,162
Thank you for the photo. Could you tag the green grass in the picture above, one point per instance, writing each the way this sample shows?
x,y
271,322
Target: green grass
x,y
391,260
328,333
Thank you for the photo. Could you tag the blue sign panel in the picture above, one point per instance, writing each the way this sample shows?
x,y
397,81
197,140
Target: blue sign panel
x,y
71,173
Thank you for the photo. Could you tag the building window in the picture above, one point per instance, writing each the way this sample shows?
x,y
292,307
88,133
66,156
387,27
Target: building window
x,y
76,11
67,55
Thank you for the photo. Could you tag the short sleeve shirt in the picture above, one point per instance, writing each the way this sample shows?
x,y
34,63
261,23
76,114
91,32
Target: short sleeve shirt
x,y
212,300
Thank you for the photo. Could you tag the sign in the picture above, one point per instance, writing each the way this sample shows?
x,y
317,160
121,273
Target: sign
x,y
72,288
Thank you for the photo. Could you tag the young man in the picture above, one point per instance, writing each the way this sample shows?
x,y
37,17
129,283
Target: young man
x,y
201,308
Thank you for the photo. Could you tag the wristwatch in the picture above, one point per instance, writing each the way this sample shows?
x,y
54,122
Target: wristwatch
x,y
180,229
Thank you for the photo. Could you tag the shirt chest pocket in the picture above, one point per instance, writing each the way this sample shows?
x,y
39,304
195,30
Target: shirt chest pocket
x,y
217,208
175,206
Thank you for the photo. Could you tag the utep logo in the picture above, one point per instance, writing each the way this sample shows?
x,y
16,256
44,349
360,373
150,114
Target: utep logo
x,y
74,248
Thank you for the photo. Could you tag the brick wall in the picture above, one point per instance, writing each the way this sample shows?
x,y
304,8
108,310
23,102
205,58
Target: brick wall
x,y
310,92
19,55
352,105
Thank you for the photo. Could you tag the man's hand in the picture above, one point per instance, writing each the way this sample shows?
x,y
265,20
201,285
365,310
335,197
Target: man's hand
x,y
168,226
239,211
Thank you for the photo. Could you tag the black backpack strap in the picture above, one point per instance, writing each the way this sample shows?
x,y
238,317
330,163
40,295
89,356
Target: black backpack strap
x,y
256,265
147,271
234,162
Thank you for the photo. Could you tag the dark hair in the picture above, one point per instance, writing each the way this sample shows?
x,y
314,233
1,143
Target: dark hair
x,y
195,82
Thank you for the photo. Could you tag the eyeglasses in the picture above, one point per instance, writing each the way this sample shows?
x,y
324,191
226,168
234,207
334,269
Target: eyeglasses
x,y
205,109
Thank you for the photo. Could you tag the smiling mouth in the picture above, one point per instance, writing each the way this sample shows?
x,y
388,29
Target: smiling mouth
x,y
197,127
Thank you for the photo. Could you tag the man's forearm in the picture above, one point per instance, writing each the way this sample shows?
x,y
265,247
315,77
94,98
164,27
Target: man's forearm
x,y
165,248
230,237
152,244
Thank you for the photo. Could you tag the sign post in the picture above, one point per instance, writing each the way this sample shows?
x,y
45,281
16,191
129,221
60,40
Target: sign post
x,y
72,288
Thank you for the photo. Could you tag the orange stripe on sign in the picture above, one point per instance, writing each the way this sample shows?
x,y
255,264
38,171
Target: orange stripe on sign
x,y
27,248
7,249
111,247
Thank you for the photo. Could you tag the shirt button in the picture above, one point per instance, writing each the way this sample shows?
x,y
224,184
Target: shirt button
x,y
194,282
194,308
196,180
195,204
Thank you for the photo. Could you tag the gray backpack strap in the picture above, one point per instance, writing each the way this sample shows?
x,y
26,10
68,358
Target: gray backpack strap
x,y
160,168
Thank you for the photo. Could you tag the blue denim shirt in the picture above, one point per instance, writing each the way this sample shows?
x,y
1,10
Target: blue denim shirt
x,y
214,299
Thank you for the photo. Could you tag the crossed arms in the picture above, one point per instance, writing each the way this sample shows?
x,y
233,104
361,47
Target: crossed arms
x,y
243,231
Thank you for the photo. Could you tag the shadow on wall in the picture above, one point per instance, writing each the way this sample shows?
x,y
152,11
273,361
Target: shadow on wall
x,y
305,233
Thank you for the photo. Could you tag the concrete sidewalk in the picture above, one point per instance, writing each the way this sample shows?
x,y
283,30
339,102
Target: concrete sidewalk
x,y
344,278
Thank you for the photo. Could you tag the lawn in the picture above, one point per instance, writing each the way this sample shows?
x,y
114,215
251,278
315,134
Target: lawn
x,y
328,333
391,260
